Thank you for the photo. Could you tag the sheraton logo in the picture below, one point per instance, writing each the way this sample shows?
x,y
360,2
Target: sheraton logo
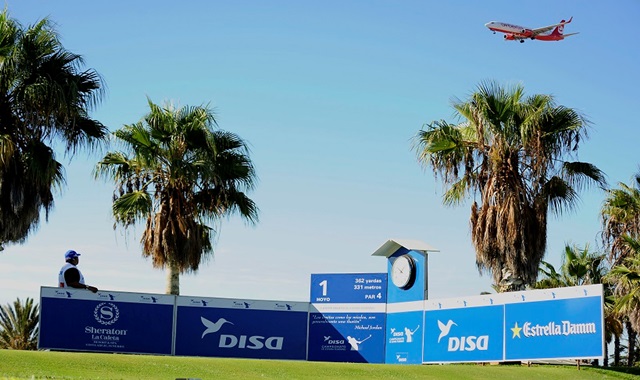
x,y
106,313
566,328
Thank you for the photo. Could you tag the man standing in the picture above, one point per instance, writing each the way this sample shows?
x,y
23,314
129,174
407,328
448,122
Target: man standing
x,y
70,276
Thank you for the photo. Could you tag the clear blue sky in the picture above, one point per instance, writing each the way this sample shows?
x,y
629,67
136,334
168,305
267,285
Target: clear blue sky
x,y
329,95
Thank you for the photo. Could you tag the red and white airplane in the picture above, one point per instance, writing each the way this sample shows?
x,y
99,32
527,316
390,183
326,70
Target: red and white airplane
x,y
520,33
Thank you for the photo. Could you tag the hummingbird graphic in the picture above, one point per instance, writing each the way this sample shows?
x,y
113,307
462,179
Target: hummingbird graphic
x,y
212,327
444,329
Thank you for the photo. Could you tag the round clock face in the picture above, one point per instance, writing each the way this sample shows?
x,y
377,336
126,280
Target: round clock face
x,y
403,272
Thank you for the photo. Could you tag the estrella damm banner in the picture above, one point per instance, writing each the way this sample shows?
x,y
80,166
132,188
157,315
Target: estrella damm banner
x,y
554,329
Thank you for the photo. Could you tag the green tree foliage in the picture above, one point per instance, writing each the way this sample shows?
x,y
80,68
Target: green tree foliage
x,y
621,217
511,153
19,325
178,173
580,266
626,279
45,97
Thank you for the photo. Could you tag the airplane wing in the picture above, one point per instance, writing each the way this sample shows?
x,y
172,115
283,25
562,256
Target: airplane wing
x,y
537,31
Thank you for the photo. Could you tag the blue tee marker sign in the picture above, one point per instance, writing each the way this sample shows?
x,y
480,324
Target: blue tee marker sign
x,y
347,317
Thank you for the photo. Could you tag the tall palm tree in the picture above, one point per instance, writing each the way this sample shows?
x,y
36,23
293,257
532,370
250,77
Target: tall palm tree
x,y
510,152
45,98
19,325
613,326
177,173
626,279
621,216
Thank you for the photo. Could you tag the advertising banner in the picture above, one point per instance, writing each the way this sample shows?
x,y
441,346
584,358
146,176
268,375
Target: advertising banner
x,y
554,329
347,317
78,320
542,324
241,328
472,334
404,333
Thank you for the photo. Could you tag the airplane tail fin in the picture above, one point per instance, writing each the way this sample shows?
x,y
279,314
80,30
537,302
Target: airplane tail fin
x,y
559,30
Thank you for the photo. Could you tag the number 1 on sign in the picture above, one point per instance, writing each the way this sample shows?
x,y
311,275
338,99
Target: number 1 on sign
x,y
324,287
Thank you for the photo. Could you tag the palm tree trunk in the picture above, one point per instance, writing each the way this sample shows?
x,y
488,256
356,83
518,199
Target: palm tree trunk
x,y
631,344
173,279
616,350
605,361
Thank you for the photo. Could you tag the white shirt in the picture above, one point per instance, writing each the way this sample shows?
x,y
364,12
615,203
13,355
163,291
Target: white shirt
x,y
61,281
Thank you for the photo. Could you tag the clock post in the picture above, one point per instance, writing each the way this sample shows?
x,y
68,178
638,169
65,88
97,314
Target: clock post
x,y
407,289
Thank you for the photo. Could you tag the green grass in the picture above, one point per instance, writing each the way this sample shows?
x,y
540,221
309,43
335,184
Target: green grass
x,y
67,365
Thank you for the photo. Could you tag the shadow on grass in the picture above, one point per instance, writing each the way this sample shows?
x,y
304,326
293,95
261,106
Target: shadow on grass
x,y
628,370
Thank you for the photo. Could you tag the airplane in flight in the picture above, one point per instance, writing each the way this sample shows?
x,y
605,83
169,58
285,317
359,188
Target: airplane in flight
x,y
520,33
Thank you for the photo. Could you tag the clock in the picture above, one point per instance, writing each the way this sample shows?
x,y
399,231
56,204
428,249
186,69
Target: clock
x,y
403,272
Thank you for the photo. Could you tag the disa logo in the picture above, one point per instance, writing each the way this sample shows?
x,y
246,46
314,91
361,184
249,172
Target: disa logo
x,y
328,340
106,313
462,343
254,342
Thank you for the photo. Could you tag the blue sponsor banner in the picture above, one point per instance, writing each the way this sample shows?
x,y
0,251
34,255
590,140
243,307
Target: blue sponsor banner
x,y
404,335
471,334
349,288
346,337
78,320
241,328
554,329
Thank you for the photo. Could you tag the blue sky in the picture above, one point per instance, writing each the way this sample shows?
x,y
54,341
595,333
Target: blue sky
x,y
328,95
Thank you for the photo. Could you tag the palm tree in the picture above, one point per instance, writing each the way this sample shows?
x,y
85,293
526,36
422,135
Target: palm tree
x,y
613,326
176,174
626,279
621,216
584,267
621,226
580,266
19,325
45,98
551,278
509,151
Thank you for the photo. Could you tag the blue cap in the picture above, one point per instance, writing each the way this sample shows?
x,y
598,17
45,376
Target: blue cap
x,y
71,254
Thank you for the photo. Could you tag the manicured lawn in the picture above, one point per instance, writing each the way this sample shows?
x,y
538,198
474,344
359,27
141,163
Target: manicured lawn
x,y
66,365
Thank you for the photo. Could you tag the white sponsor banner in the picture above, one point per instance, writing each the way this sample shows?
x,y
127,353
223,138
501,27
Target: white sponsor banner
x,y
106,295
514,297
401,307
347,308
247,304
